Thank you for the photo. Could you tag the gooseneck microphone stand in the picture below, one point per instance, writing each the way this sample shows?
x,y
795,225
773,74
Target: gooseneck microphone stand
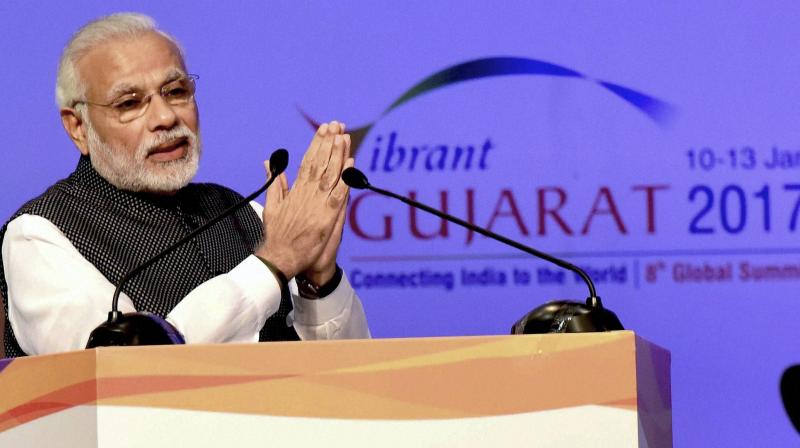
x,y
558,316
143,328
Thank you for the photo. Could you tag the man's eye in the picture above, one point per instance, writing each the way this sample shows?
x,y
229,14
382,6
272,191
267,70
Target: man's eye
x,y
176,92
127,104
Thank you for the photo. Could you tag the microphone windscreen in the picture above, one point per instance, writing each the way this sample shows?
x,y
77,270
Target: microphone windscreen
x,y
354,178
278,161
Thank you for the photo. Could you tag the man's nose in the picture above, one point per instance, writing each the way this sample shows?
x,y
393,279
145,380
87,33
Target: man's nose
x,y
160,115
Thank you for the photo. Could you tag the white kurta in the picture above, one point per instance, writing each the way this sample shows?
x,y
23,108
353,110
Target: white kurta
x,y
56,297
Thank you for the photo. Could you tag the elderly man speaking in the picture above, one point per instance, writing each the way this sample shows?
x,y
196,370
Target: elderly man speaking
x,y
127,102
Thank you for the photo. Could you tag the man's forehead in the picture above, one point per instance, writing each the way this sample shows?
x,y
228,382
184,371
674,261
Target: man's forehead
x,y
130,64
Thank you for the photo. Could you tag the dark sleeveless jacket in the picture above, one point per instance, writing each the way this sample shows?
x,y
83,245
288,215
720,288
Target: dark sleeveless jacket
x,y
116,230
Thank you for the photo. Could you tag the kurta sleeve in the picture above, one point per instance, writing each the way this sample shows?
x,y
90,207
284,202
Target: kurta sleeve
x,y
56,297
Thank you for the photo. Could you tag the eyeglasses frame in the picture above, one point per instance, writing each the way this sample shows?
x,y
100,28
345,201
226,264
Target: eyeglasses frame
x,y
147,98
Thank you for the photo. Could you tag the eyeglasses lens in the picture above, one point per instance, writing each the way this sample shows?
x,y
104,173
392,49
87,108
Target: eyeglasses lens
x,y
176,93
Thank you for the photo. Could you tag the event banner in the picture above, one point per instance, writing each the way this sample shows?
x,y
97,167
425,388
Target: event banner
x,y
657,146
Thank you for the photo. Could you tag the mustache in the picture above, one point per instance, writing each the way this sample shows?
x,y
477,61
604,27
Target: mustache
x,y
153,142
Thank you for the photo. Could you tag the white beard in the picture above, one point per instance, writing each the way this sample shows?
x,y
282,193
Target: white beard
x,y
130,171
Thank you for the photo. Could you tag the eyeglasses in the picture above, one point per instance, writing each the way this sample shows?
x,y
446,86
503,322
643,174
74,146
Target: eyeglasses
x,y
133,105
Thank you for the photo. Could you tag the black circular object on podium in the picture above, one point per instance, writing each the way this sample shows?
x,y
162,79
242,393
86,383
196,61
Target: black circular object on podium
x,y
134,329
565,316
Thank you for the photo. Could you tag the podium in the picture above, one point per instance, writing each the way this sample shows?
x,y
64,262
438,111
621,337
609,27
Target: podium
x,y
554,390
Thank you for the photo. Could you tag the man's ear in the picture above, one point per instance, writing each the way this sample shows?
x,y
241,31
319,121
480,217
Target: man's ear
x,y
76,128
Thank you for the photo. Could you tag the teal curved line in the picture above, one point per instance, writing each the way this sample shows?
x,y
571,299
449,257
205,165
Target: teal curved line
x,y
657,110
481,68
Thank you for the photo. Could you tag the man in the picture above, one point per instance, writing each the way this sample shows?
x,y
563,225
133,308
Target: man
x,y
127,102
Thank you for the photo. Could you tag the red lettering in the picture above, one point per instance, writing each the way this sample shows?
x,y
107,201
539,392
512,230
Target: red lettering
x,y
650,192
604,194
513,212
356,228
470,213
413,218
544,210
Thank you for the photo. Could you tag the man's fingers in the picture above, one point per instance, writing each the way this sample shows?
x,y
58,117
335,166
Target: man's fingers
x,y
336,127
266,169
338,196
338,153
319,136
346,146
277,191
308,164
284,185
337,230
318,155
316,161
334,169
319,164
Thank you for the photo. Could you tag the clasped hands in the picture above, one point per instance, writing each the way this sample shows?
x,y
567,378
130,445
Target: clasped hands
x,y
303,226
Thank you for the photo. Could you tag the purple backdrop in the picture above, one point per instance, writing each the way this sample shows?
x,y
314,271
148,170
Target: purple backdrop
x,y
685,221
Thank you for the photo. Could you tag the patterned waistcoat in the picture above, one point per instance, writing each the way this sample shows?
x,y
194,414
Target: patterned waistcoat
x,y
116,230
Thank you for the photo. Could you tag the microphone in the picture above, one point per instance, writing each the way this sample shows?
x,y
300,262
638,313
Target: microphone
x,y
790,394
142,328
553,317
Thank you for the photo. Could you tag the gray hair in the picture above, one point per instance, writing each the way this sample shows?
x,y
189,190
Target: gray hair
x,y
69,87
